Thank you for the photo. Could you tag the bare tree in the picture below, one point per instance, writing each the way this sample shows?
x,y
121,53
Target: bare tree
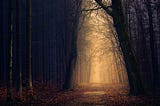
x,y
116,11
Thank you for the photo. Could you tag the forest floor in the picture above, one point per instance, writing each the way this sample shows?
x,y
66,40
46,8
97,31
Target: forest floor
x,y
91,95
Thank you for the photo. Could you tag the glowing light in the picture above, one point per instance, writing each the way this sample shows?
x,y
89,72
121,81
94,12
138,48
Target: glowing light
x,y
99,57
94,93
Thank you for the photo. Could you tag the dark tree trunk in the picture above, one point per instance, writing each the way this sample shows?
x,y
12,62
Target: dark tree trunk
x,y
1,44
29,47
18,43
153,48
10,43
129,57
72,47
43,48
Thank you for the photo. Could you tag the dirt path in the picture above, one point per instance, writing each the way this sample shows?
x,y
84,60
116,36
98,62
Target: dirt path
x,y
96,95
103,95
91,95
89,99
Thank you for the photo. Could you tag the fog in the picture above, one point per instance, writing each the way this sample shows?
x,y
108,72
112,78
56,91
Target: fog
x,y
100,59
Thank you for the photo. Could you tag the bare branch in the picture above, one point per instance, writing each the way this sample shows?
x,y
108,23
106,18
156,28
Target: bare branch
x,y
92,9
105,7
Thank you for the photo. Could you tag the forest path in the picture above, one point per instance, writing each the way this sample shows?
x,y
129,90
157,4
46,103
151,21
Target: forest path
x,y
89,99
97,95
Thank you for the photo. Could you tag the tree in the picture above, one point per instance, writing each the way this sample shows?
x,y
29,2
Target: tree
x,y
1,43
71,49
29,47
116,11
144,35
10,69
19,54
153,46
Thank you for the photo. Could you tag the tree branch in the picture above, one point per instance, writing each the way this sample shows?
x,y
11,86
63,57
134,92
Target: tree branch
x,y
106,8
92,9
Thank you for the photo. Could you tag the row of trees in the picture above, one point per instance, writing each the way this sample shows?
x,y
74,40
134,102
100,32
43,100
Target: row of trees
x,y
137,26
18,34
38,44
142,17
99,57
116,11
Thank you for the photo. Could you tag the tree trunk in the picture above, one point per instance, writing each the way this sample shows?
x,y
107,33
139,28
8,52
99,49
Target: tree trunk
x,y
29,47
1,43
10,70
129,58
19,54
152,47
72,47
136,86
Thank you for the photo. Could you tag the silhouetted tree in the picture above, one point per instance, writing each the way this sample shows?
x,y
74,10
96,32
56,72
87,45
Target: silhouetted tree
x,y
116,11
72,40
19,53
153,46
29,46
143,25
10,64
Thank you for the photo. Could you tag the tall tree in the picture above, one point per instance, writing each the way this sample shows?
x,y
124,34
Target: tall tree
x,y
153,46
116,11
29,46
1,42
144,28
10,70
43,46
19,54
72,47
